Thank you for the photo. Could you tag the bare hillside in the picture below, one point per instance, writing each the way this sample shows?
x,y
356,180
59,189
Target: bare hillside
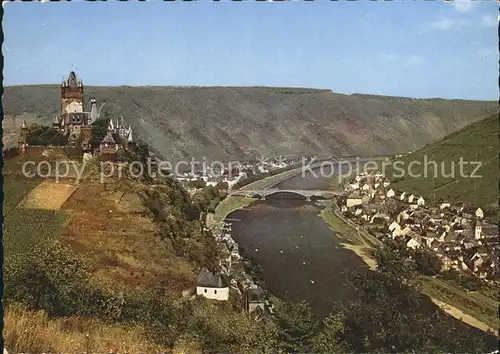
x,y
241,122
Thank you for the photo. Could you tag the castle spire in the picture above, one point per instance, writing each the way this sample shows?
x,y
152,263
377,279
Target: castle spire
x,y
73,79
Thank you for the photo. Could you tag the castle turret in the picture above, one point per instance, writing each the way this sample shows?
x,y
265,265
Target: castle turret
x,y
111,126
22,142
93,111
130,139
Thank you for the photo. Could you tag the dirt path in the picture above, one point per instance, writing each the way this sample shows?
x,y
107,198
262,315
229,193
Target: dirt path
x,y
460,315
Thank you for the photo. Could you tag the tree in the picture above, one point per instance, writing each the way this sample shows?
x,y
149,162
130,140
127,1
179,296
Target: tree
x,y
329,339
393,260
99,131
297,324
426,262
42,135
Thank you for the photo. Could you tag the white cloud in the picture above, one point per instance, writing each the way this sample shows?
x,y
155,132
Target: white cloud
x,y
489,20
444,23
488,52
463,5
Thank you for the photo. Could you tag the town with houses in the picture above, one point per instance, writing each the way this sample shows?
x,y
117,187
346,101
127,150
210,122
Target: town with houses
x,y
457,234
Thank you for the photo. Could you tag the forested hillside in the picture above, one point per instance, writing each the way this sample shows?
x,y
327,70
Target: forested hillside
x,y
240,122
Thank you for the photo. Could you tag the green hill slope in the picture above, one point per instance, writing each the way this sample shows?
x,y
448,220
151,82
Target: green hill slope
x,y
437,173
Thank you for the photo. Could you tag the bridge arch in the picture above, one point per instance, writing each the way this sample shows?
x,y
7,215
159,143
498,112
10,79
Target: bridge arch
x,y
291,193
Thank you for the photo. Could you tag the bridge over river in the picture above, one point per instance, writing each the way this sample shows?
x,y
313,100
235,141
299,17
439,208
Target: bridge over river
x,y
263,193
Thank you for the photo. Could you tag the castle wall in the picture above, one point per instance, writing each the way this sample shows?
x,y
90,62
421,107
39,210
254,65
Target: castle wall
x,y
74,107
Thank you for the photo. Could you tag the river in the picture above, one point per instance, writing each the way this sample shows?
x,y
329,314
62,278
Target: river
x,y
300,257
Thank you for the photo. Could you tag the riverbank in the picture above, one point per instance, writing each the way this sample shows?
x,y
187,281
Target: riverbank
x,y
482,309
350,237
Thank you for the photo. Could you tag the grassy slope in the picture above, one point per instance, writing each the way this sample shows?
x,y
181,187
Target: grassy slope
x,y
110,240
240,122
476,142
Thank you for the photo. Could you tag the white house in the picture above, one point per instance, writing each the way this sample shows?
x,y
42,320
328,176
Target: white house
x,y
444,205
412,243
403,196
405,231
393,226
211,286
354,185
421,201
365,187
402,216
352,201
411,198
479,213
390,193
386,183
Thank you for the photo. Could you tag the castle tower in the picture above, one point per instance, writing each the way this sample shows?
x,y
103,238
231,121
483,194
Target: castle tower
x,y
72,95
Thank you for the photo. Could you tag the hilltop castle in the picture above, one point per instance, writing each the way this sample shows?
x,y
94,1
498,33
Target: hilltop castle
x,y
73,121
75,124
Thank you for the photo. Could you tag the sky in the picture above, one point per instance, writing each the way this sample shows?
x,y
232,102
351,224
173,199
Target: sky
x,y
414,49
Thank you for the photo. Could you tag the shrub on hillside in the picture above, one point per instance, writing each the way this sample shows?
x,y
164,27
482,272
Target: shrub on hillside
x,y
43,135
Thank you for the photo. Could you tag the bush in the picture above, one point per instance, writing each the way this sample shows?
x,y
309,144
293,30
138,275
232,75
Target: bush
x,y
427,263
42,135
99,131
